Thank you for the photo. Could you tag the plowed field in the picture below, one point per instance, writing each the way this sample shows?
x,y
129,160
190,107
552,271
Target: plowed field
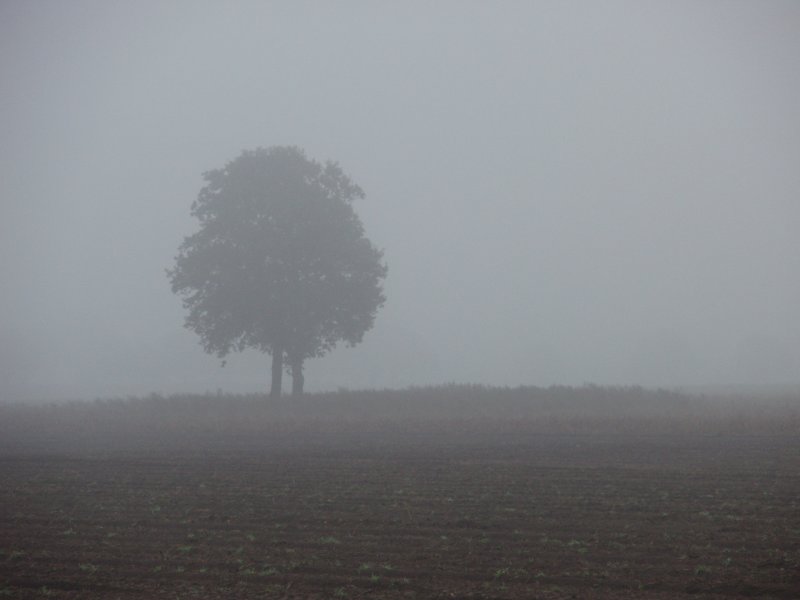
x,y
385,514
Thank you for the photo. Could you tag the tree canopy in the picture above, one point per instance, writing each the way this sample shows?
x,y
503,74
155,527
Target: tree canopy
x,y
280,262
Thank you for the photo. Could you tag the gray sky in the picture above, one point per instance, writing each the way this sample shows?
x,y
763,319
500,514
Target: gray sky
x,y
566,192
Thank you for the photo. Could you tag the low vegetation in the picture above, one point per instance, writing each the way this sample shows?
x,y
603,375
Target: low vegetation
x,y
475,410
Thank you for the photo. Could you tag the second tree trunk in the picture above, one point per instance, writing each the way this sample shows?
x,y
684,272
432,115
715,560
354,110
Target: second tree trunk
x,y
277,372
297,378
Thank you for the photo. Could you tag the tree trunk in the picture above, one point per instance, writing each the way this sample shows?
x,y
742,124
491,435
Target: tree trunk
x,y
277,372
297,377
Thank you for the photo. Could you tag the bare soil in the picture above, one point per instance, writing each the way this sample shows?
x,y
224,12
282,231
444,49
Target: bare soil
x,y
380,514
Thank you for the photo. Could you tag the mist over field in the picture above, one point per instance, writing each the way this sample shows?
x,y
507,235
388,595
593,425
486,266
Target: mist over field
x,y
565,192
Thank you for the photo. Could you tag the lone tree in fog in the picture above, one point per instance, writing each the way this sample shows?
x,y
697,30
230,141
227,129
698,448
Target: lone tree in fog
x,y
280,262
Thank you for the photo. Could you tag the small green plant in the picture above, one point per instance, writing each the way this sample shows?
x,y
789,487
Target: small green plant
x,y
88,567
364,567
339,593
330,540
702,570
500,573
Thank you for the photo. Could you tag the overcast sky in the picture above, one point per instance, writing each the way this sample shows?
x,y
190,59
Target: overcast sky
x,y
566,192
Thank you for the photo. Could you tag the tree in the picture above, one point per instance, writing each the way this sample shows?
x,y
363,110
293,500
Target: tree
x,y
280,262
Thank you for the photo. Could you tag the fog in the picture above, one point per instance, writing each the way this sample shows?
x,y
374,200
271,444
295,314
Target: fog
x,y
566,192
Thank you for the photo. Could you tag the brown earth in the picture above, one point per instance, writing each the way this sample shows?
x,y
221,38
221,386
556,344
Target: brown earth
x,y
379,512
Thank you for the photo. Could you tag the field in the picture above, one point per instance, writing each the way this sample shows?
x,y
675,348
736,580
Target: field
x,y
453,492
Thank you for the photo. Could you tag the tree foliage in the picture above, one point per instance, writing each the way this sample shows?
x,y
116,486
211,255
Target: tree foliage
x,y
280,262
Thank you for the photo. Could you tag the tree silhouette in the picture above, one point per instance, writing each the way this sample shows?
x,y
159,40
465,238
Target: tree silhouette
x,y
280,262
